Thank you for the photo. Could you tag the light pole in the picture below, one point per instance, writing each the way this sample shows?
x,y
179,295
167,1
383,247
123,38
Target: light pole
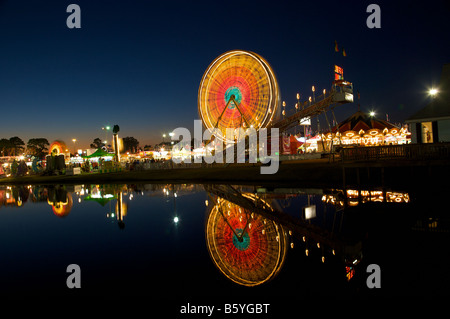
x,y
74,140
106,129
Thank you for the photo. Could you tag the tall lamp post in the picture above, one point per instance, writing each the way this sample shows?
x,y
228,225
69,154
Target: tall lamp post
x,y
106,129
74,140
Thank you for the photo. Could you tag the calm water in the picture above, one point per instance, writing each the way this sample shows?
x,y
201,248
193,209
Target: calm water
x,y
224,243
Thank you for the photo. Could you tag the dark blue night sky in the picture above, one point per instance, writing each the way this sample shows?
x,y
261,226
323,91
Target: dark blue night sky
x,y
138,64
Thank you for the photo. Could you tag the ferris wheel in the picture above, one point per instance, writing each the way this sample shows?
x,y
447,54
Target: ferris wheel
x,y
245,247
238,90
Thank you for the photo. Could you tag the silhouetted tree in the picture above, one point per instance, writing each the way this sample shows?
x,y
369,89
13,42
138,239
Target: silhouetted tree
x,y
37,146
97,143
6,147
130,144
18,144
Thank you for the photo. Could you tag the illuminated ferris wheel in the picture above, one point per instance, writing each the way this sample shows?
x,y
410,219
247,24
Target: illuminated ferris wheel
x,y
238,90
245,247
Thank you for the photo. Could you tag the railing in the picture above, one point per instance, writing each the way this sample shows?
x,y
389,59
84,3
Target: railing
x,y
436,151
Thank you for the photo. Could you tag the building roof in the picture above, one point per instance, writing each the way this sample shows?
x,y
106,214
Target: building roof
x,y
439,107
364,121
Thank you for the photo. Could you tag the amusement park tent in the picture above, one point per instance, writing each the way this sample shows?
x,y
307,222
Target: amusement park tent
x,y
290,144
363,121
102,200
365,130
99,153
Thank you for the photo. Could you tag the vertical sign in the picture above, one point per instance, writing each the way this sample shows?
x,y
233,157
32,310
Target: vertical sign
x,y
338,73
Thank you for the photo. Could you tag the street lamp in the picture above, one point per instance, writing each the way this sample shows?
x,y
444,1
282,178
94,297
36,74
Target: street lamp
x,y
106,129
74,148
433,92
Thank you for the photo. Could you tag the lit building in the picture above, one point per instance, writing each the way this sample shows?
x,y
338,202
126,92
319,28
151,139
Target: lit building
x,y
432,123
360,129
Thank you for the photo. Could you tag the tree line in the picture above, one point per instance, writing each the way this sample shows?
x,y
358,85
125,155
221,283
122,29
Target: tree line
x,y
38,147
15,146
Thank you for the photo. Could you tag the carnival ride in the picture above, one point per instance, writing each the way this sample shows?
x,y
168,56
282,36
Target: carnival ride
x,y
248,234
57,148
246,247
239,90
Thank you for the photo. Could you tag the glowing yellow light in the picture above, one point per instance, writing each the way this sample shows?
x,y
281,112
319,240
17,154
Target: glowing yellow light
x,y
433,92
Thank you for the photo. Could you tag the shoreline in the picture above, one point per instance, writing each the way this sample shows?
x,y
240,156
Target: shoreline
x,y
309,173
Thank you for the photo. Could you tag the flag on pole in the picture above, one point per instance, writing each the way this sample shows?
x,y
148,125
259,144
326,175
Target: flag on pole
x,y
336,49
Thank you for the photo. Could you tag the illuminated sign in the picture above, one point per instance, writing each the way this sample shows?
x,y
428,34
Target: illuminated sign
x,y
309,212
338,73
305,121
350,272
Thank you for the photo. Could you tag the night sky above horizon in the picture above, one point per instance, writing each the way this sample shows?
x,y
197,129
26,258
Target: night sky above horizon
x,y
138,64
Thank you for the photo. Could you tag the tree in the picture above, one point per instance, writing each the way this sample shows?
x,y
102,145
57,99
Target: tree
x,y
97,143
130,144
6,147
37,146
17,144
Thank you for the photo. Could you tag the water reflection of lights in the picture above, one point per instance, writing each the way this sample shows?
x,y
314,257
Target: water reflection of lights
x,y
354,197
60,208
245,247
